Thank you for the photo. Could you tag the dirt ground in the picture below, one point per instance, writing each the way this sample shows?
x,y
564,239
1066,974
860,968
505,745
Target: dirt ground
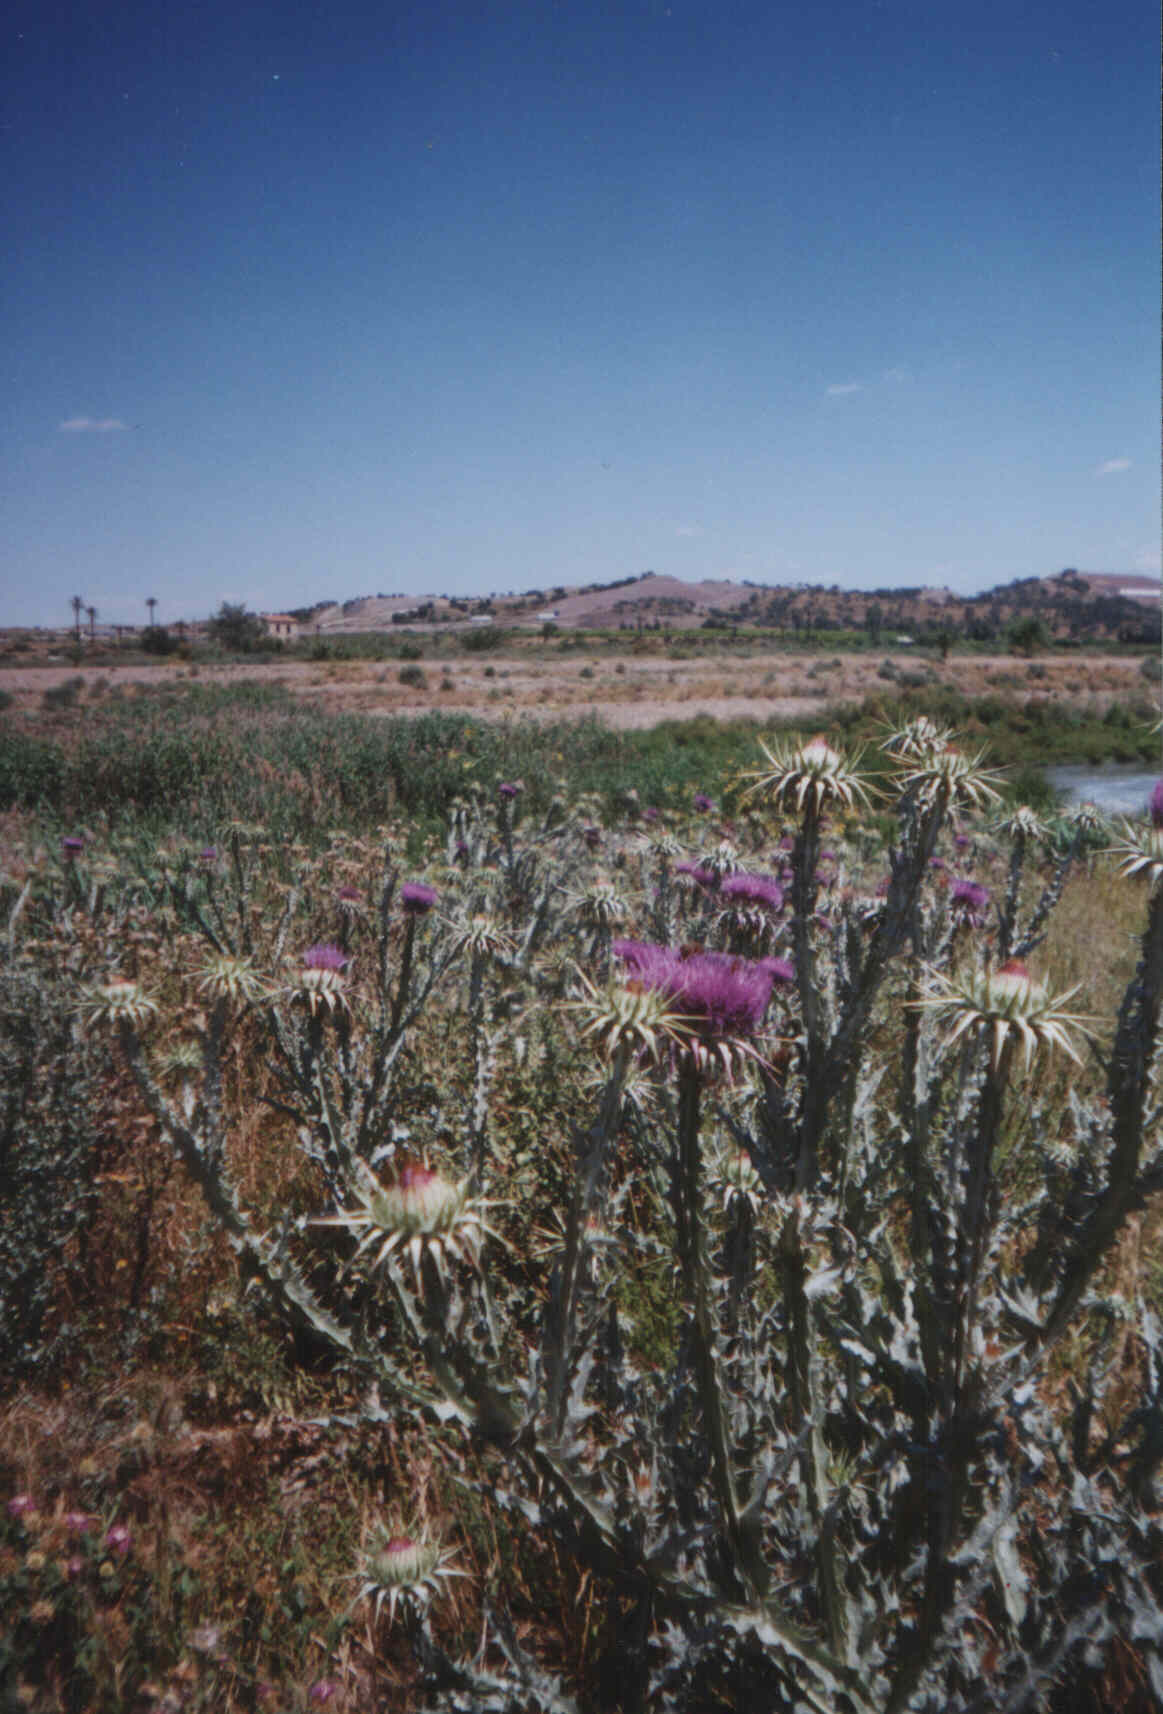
x,y
624,691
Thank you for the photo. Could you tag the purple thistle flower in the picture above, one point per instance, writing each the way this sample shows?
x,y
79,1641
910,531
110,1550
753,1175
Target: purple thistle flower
x,y
592,837
208,856
781,970
703,804
417,899
326,956
962,841
763,890
508,789
72,845
637,954
728,996
20,1504
787,843
650,813
937,863
969,904
1156,805
828,857
724,998
696,872
348,895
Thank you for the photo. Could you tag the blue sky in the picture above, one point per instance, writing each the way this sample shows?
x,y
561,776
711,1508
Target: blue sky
x,y
303,302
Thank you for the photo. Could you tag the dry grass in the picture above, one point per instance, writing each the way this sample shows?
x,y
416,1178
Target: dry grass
x,y
632,692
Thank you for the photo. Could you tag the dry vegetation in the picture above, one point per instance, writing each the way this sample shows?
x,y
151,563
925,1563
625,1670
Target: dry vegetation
x,y
625,689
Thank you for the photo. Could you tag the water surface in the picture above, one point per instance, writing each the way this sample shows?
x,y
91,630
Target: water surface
x,y
1117,789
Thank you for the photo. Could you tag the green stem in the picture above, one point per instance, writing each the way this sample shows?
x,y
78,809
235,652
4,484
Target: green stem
x,y
696,1277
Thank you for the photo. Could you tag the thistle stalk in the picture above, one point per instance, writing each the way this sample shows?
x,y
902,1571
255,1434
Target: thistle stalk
x,y
696,1276
586,1192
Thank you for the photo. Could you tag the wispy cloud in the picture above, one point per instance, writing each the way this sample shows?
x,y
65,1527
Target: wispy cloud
x,y
688,530
838,389
898,373
1112,466
91,425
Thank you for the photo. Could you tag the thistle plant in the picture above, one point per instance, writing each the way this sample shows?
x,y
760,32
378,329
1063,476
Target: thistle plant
x,y
840,1473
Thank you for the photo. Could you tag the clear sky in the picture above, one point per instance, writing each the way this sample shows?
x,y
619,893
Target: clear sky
x,y
304,301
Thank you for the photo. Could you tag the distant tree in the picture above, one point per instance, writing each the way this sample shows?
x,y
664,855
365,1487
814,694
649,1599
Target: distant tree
x,y
78,607
873,621
234,628
944,641
151,603
1027,635
92,612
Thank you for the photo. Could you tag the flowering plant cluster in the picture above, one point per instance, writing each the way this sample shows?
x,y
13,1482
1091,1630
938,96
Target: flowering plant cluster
x,y
715,1219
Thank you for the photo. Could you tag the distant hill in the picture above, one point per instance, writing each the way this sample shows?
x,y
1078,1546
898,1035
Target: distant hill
x,y
1072,604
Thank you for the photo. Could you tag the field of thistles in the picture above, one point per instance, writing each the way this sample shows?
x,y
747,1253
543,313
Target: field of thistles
x,y
588,1248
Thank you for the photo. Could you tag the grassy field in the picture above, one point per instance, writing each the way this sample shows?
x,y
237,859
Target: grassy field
x,y
237,1458
195,754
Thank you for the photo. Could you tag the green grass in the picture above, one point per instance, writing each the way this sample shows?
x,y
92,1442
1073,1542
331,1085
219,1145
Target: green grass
x,y
192,756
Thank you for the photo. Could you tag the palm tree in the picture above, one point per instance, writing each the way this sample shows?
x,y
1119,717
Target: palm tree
x,y
78,603
151,603
92,612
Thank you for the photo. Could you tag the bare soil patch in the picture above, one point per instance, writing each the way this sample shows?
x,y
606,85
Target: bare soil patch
x,y
624,691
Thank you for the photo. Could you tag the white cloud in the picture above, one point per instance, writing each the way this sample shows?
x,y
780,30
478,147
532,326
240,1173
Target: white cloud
x,y
92,425
1149,559
688,530
1112,466
840,388
898,374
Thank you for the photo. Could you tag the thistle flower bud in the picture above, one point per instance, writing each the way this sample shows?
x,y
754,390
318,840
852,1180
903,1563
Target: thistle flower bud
x,y
811,775
420,1213
1009,1005
118,1001
321,979
417,899
403,1571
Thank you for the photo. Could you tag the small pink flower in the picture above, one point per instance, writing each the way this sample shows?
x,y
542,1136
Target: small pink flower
x,y
322,1690
75,1566
118,1539
77,1523
21,1504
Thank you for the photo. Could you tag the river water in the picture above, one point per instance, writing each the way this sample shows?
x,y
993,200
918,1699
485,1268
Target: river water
x,y
1119,789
